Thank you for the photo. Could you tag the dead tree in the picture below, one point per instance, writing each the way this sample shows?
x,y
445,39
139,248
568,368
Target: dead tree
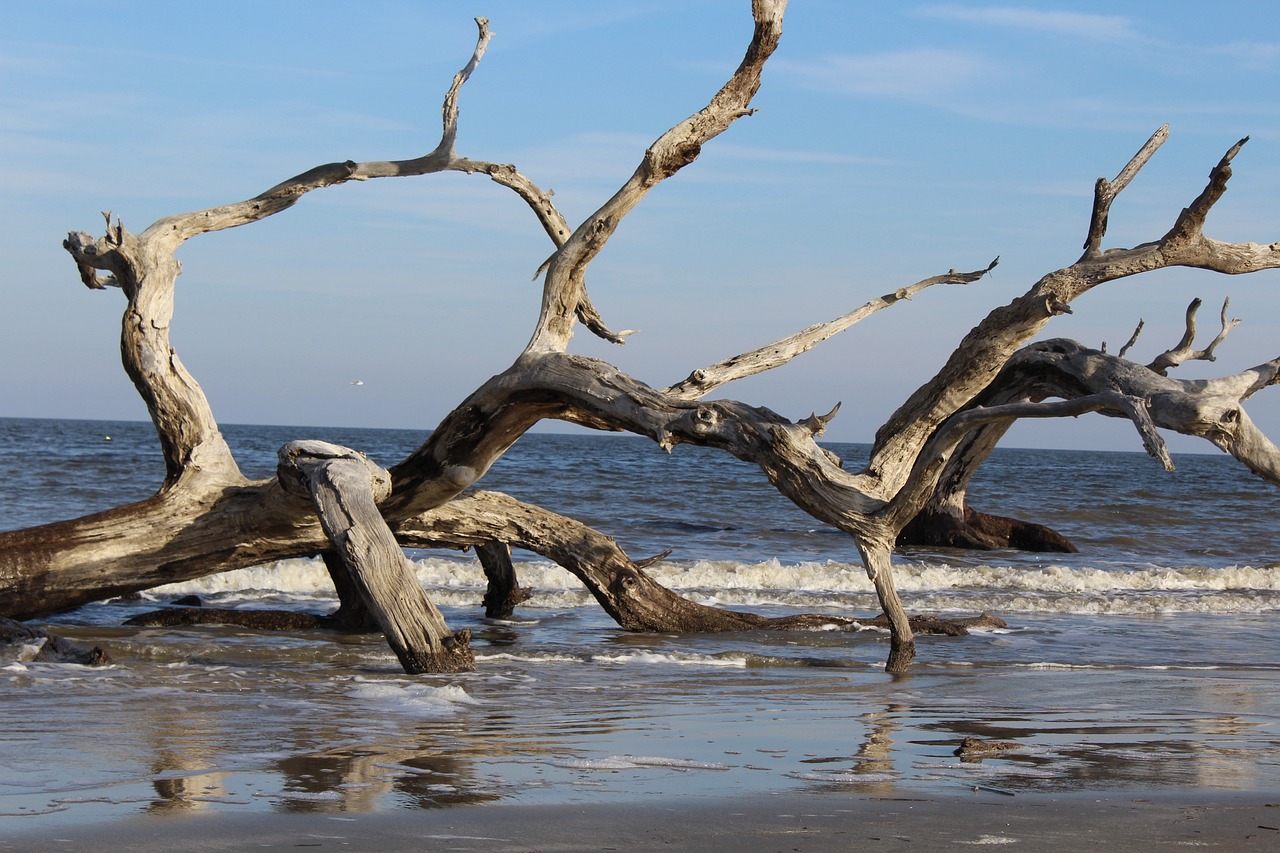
x,y
207,517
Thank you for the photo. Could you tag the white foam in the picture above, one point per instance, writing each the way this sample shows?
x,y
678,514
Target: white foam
x,y
406,697
843,777
677,659
635,762
843,586
675,763
308,796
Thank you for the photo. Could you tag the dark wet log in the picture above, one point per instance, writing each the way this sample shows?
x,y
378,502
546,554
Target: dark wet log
x,y
976,749
504,592
261,620
982,532
955,627
345,488
51,648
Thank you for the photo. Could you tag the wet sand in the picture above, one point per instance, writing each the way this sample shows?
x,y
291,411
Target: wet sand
x,y
808,822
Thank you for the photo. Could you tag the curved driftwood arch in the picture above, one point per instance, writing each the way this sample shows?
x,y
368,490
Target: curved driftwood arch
x,y
207,517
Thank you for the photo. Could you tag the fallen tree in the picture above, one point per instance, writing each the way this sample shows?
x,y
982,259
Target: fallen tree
x,y
207,517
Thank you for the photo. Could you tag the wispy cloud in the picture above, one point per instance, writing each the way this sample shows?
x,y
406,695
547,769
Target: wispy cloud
x,y
1076,24
919,74
1250,55
782,155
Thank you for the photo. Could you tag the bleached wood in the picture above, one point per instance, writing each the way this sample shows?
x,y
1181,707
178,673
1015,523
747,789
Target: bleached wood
x,y
565,277
345,488
1184,351
706,379
984,351
1105,192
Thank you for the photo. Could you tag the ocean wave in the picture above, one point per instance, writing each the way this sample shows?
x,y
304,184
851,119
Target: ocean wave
x,y
818,585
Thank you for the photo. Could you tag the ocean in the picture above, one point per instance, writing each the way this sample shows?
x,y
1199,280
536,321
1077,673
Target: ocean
x,y
1148,661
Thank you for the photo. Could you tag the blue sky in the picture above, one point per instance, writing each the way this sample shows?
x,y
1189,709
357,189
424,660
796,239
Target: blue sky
x,y
893,142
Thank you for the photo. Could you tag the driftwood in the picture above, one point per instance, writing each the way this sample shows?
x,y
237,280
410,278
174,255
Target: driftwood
x,y
35,644
345,488
207,517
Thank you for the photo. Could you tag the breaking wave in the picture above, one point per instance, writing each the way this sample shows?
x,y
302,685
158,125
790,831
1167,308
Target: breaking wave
x,y
819,585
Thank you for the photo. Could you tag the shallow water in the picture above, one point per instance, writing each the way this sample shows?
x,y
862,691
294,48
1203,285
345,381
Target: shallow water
x,y
1147,661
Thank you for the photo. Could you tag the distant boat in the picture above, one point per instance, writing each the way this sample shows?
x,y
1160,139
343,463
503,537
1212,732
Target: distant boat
x,y
357,381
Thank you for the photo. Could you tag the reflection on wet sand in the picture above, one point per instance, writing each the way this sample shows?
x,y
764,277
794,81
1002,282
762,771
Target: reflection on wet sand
x,y
364,780
309,725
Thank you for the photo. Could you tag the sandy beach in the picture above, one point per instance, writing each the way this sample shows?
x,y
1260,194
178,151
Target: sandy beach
x,y
781,823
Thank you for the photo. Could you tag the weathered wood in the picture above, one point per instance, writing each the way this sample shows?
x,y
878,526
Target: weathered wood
x,y
980,531
1184,351
345,488
39,645
504,592
704,380
259,620
352,613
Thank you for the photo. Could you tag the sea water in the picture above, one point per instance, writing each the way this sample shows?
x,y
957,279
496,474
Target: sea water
x,y
1146,661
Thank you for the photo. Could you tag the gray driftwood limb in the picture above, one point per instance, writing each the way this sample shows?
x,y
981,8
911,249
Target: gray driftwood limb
x,y
345,488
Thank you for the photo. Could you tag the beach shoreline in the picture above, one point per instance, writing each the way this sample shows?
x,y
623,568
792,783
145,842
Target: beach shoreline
x,y
1226,820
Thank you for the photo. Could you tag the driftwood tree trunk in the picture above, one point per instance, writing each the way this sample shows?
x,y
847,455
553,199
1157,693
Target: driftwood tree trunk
x,y
345,488
208,518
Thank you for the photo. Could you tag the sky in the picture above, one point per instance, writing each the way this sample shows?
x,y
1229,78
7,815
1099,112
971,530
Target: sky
x,y
892,142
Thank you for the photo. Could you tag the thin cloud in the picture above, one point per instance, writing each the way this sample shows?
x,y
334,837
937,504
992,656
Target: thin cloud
x,y
1075,24
1253,56
923,74
783,155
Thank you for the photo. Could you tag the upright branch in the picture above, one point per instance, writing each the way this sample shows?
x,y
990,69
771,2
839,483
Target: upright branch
x,y
1183,351
1133,339
564,284
1105,192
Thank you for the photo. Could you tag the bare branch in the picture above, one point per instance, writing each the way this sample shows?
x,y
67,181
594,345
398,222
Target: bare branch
x,y
912,496
1191,221
1133,339
449,110
1183,352
1207,408
704,380
817,424
1105,192
145,268
675,149
173,230
983,352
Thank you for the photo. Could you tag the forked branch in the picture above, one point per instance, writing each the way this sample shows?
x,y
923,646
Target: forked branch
x,y
1183,351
